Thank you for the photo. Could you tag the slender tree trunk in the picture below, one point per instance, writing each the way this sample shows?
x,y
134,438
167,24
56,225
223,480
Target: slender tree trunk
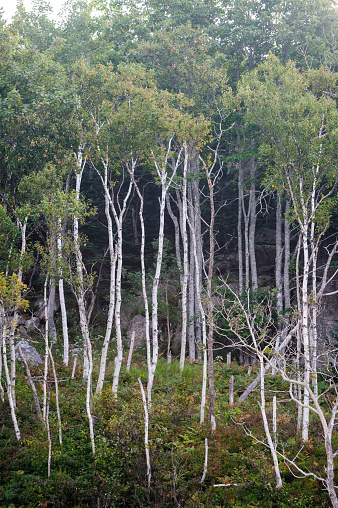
x,y
205,469
56,395
112,288
305,334
79,289
14,321
278,269
144,283
210,304
193,310
177,234
266,427
131,348
204,328
8,378
156,281
2,392
191,304
80,296
185,259
253,217
49,460
89,395
146,431
314,305
45,375
314,333
246,240
279,255
196,212
330,483
119,223
62,299
50,309
239,218
287,299
165,185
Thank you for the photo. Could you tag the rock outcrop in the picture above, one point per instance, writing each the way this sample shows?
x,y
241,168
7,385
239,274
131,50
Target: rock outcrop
x,y
29,352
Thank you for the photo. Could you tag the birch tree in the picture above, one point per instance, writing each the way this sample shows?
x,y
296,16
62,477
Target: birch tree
x,y
11,299
300,144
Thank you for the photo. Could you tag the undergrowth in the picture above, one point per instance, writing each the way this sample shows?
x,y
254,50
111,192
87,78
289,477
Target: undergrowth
x,y
117,477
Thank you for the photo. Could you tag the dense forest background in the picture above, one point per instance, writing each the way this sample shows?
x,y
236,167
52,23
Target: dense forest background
x,y
168,253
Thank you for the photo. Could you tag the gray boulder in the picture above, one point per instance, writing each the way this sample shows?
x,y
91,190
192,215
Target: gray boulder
x,y
29,352
137,325
32,323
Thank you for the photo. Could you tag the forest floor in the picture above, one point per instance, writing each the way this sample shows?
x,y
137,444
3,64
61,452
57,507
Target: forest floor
x,y
117,477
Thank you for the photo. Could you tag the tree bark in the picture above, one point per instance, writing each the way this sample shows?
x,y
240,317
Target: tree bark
x,y
185,258
253,218
112,286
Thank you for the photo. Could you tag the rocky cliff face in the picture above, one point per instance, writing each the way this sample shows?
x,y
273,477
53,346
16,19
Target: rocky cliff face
x,y
227,264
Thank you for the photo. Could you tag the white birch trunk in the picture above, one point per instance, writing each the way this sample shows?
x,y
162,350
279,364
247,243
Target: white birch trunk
x,y
62,299
56,396
115,284
314,333
278,269
305,334
209,300
165,184
279,484
274,420
193,316
8,379
80,296
177,234
253,217
79,290
89,395
112,287
204,328
314,305
246,241
231,390
45,375
156,281
2,392
279,255
48,437
330,483
119,222
185,259
12,356
74,366
23,228
287,299
146,431
205,469
239,218
144,286
50,309
239,229
196,209
131,347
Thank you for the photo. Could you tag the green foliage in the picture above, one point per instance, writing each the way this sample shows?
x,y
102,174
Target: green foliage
x,y
11,294
117,476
